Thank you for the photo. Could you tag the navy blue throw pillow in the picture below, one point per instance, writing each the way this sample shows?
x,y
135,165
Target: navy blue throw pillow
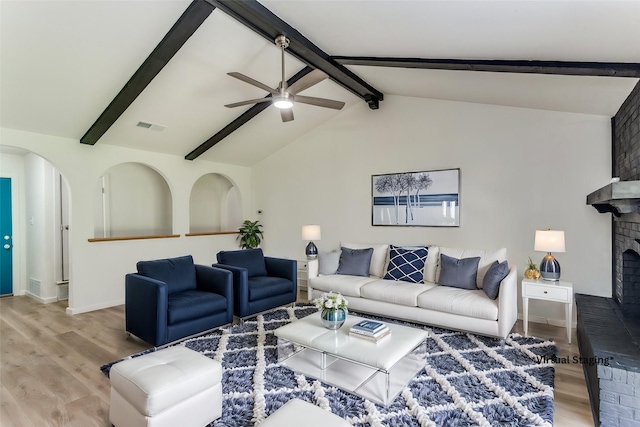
x,y
458,273
406,264
495,274
355,262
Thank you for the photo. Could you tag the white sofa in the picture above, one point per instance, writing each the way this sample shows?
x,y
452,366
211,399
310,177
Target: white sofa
x,y
426,303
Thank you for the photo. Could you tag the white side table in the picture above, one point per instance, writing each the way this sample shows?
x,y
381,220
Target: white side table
x,y
558,291
302,274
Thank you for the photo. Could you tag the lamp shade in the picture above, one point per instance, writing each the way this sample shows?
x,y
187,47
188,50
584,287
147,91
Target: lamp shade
x,y
310,232
549,241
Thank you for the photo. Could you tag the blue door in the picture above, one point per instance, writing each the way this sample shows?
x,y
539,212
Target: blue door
x,y
6,240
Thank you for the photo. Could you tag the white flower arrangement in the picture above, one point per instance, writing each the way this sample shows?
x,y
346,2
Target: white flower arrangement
x,y
331,301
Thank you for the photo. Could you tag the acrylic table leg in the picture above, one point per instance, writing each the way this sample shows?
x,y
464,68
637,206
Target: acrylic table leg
x,y
388,388
323,363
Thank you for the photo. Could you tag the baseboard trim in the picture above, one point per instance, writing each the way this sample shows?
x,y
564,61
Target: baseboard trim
x,y
40,299
94,307
548,321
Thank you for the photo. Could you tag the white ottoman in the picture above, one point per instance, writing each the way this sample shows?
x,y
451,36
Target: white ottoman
x,y
170,387
298,413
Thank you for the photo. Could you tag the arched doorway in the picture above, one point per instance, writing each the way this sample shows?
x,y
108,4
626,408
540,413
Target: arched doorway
x,y
40,206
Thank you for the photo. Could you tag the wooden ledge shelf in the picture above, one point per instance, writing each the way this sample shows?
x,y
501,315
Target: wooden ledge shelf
x,y
213,233
113,239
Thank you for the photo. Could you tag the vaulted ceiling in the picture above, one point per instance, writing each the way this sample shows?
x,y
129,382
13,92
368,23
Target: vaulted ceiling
x,y
63,62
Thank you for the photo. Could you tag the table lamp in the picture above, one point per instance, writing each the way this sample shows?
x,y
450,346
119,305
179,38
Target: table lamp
x,y
549,241
311,232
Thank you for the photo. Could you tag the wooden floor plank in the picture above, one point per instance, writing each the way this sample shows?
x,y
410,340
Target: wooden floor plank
x,y
16,349
88,412
12,413
78,366
50,365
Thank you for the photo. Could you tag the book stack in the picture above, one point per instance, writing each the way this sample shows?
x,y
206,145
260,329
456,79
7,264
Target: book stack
x,y
370,330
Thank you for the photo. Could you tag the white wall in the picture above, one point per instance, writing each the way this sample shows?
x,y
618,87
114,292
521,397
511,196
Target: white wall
x,y
12,166
97,269
40,225
521,170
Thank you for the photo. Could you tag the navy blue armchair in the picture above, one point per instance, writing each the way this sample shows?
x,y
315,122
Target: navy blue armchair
x,y
260,283
169,299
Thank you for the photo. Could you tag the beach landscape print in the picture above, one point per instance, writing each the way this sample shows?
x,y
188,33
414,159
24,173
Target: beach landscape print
x,y
429,198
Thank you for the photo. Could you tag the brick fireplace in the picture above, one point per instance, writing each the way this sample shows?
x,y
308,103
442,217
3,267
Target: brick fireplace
x,y
627,290
609,328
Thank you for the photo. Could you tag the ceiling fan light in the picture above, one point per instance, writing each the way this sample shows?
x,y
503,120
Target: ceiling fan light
x,y
282,103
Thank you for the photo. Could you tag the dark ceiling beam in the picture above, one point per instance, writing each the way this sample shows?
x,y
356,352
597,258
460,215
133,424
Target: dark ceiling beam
x,y
241,120
566,68
261,20
177,36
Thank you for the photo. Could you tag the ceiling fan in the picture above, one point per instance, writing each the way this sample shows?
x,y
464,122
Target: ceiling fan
x,y
285,96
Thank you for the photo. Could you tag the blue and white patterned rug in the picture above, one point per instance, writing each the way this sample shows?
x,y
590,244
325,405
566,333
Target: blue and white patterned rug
x,y
468,380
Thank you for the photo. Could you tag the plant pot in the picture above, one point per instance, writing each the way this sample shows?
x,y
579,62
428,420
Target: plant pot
x,y
333,318
532,274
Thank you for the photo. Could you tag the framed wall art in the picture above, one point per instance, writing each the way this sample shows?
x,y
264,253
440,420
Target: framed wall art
x,y
426,199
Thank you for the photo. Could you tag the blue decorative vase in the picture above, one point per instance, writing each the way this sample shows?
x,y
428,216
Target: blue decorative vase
x,y
333,318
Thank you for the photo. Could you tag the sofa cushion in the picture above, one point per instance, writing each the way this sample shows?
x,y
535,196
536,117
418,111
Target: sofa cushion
x,y
178,273
486,259
378,259
459,273
496,273
393,292
194,304
328,262
431,264
406,264
355,262
346,285
251,259
459,301
261,287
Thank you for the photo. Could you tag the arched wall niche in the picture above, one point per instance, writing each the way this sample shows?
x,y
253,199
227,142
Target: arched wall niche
x,y
132,199
215,205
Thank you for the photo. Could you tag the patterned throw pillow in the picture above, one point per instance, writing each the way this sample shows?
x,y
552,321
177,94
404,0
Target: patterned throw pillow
x,y
406,264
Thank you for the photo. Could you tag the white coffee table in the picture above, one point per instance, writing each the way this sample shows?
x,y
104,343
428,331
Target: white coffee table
x,y
375,371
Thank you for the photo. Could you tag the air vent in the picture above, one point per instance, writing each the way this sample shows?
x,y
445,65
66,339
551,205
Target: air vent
x,y
63,290
152,126
34,287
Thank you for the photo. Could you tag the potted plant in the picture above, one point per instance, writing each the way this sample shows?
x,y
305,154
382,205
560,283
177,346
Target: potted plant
x,y
532,271
250,234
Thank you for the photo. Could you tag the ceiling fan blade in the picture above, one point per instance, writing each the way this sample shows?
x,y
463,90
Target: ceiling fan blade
x,y
319,102
249,101
314,77
286,114
253,82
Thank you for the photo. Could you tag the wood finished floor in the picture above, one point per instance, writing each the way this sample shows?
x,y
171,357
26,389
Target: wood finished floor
x,y
50,366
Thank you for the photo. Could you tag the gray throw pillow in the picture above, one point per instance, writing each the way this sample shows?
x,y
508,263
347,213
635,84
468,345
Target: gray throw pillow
x,y
355,262
328,262
491,282
458,273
